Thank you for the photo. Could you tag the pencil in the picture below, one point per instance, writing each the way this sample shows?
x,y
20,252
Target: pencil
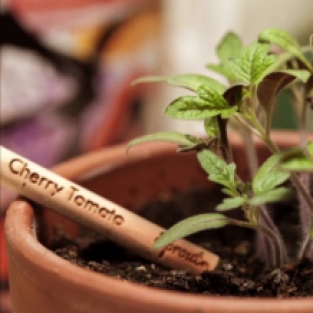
x,y
100,214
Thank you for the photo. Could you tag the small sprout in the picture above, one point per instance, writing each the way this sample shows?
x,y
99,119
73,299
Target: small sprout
x,y
256,76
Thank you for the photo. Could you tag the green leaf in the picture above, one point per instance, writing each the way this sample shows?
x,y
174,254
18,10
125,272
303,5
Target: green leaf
x,y
191,108
279,63
229,46
211,127
301,75
231,203
195,144
229,192
279,37
219,172
271,163
298,161
207,104
189,81
252,63
211,96
311,231
271,196
284,40
269,181
299,164
190,226
195,81
311,44
174,137
309,147
223,70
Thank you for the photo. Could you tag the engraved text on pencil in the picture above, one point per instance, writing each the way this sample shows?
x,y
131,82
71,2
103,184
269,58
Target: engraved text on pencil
x,y
91,206
194,258
20,168
72,194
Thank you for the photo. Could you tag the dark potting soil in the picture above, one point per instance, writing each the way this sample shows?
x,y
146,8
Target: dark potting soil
x,y
240,274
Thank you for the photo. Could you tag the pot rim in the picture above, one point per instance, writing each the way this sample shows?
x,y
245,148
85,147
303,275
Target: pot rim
x,y
19,227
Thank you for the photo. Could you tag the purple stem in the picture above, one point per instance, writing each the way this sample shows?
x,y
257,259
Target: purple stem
x,y
306,217
265,249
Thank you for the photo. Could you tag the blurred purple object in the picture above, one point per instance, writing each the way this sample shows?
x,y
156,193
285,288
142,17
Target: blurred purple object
x,y
29,84
42,139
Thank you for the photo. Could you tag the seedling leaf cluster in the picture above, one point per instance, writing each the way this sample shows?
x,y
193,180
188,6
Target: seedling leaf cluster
x,y
256,74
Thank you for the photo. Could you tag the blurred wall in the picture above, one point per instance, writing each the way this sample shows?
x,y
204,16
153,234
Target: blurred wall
x,y
192,29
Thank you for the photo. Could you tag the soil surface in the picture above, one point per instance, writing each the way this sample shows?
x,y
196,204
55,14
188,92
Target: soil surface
x,y
240,274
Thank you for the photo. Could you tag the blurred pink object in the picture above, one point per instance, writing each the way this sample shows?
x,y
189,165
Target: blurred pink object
x,y
43,14
48,5
29,84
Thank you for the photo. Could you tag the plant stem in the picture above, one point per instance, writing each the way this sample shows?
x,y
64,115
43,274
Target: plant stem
x,y
302,111
305,49
294,178
267,222
269,123
307,246
306,206
246,124
306,217
251,152
263,248
304,120
269,233
226,150
274,149
303,192
278,259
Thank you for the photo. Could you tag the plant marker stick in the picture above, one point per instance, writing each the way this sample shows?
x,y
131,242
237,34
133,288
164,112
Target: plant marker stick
x,y
89,209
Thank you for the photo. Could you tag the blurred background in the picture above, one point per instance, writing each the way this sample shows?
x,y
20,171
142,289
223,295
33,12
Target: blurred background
x,y
66,67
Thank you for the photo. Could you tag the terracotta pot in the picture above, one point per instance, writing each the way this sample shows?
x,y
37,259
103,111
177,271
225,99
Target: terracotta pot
x,y
42,282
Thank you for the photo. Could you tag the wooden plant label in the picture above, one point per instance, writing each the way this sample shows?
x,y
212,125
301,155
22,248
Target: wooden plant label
x,y
89,209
